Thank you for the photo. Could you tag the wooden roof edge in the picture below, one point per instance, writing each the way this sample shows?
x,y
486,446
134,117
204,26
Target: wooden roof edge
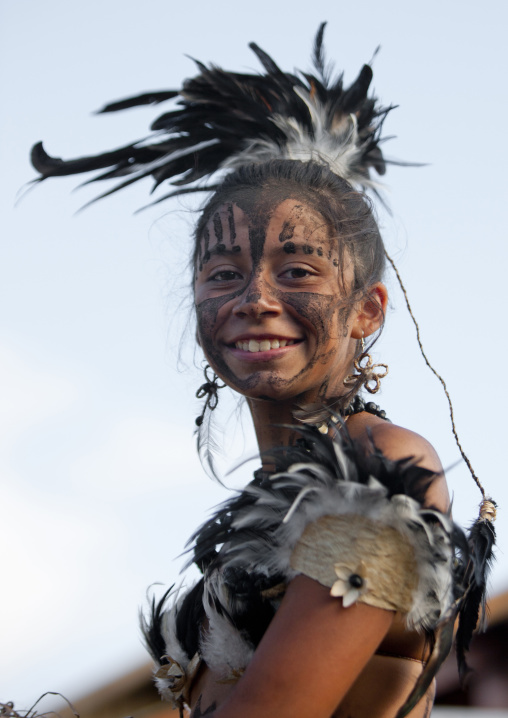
x,y
126,683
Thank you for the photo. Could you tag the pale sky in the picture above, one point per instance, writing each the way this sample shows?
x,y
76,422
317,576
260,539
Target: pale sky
x,y
100,486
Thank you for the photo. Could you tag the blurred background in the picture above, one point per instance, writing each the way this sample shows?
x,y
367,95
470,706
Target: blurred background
x,y
99,482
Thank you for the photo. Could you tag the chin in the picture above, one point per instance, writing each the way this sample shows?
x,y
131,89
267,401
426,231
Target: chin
x,y
276,389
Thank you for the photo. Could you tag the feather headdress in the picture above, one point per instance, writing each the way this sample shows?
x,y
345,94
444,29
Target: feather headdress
x,y
225,119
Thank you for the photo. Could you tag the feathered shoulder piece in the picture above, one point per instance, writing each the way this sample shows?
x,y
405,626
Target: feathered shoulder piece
x,y
358,523
225,119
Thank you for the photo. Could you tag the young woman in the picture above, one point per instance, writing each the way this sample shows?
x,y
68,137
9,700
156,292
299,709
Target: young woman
x,y
330,584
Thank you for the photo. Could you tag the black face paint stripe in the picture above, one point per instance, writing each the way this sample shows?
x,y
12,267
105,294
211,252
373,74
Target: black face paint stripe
x,y
288,228
257,236
217,227
231,223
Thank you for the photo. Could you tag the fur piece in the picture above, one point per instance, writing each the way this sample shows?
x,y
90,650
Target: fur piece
x,y
226,119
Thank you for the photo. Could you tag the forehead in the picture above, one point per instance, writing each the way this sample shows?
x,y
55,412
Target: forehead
x,y
288,220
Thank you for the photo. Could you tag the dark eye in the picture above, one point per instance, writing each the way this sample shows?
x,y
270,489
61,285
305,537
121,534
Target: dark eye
x,y
296,273
225,275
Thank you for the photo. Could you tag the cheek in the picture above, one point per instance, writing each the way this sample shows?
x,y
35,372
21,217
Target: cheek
x,y
319,310
207,313
208,317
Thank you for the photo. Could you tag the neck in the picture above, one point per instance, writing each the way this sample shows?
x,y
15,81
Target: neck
x,y
268,418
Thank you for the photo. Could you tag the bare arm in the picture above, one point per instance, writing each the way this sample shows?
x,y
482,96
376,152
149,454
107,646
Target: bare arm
x,y
309,657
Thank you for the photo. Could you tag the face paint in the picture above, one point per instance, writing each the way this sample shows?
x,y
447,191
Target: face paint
x,y
231,224
288,228
208,248
272,317
217,227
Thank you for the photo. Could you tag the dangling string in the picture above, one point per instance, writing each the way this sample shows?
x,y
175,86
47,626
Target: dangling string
x,y
487,506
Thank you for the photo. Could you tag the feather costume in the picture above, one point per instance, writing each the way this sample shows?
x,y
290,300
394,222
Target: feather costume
x,y
354,522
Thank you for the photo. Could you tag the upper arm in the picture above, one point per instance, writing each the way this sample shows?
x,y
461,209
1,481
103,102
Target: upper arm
x,y
311,654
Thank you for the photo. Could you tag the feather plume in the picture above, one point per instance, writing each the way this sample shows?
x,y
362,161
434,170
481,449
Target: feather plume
x,y
151,626
225,119
481,542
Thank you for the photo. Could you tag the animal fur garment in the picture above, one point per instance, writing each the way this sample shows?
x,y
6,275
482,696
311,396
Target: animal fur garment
x,y
227,119
352,520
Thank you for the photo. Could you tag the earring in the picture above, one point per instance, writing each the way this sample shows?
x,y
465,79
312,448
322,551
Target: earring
x,y
367,375
209,389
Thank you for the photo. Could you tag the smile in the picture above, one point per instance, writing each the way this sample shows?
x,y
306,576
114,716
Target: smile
x,y
263,345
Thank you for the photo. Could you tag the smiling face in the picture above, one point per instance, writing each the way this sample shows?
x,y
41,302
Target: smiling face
x,y
274,319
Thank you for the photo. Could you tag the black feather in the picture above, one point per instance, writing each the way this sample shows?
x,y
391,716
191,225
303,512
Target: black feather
x,y
219,114
481,542
147,98
151,628
318,55
399,477
189,619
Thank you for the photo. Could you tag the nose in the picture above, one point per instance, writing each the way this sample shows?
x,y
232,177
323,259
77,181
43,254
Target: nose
x,y
257,300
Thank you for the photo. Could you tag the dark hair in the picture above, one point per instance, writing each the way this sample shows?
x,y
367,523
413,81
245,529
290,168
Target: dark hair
x,y
347,211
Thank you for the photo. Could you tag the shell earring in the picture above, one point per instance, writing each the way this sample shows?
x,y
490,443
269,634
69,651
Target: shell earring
x,y
367,373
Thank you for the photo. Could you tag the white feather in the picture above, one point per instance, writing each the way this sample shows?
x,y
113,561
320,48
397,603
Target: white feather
x,y
337,147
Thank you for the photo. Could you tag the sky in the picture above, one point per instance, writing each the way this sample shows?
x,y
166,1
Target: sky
x,y
99,482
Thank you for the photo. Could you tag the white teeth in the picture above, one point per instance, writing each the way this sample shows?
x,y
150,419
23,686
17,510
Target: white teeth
x,y
263,345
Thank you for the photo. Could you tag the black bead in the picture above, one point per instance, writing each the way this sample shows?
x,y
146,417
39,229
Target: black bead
x,y
355,580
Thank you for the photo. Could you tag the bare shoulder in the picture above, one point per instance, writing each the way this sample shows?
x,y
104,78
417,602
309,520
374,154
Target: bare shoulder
x,y
396,442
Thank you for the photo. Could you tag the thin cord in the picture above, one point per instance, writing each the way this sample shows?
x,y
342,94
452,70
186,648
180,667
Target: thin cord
x,y
454,430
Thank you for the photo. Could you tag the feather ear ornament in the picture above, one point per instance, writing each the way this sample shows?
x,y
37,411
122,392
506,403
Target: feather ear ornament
x,y
225,119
